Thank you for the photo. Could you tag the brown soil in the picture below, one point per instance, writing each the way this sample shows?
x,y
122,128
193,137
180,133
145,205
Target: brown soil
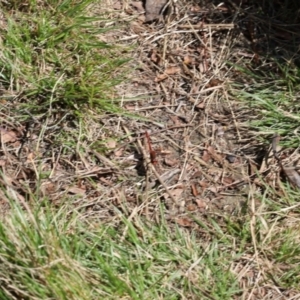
x,y
200,159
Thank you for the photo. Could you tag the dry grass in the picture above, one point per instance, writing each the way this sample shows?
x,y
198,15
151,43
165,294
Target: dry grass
x,y
215,212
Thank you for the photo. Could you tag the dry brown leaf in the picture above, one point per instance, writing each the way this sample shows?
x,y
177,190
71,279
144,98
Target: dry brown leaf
x,y
170,162
130,107
76,191
189,60
194,190
7,136
195,9
191,207
48,188
30,157
7,179
153,9
185,222
105,181
111,144
161,77
228,180
203,184
165,75
215,156
136,27
201,204
119,152
176,193
201,105
206,156
155,57
214,82
117,5
175,120
172,70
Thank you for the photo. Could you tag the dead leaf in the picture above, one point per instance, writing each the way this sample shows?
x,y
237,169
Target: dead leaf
x,y
175,120
206,156
201,204
161,77
194,190
111,144
170,162
165,75
203,184
155,57
136,27
130,107
153,9
117,5
228,180
189,60
48,188
185,222
201,105
195,9
191,207
119,152
172,70
76,191
176,193
30,157
214,82
105,181
7,136
215,156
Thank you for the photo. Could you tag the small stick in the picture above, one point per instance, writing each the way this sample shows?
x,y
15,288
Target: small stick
x,y
148,161
151,151
220,26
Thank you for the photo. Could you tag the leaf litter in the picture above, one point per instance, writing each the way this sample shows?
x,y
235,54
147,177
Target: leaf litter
x,y
181,90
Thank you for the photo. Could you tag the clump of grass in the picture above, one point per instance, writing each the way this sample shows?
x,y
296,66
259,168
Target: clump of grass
x,y
273,100
273,77
62,254
52,57
48,254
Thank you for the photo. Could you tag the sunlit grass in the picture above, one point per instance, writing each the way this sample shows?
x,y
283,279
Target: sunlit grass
x,y
51,60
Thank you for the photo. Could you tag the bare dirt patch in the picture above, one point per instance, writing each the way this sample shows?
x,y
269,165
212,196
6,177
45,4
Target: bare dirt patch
x,y
180,88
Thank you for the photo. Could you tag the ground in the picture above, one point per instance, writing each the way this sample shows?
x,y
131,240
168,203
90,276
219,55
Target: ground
x,y
203,139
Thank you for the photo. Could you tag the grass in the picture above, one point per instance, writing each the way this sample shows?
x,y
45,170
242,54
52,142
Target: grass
x,y
51,60
54,255
56,76
275,104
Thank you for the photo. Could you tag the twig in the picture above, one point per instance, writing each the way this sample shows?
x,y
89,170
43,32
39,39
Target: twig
x,y
210,26
148,161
